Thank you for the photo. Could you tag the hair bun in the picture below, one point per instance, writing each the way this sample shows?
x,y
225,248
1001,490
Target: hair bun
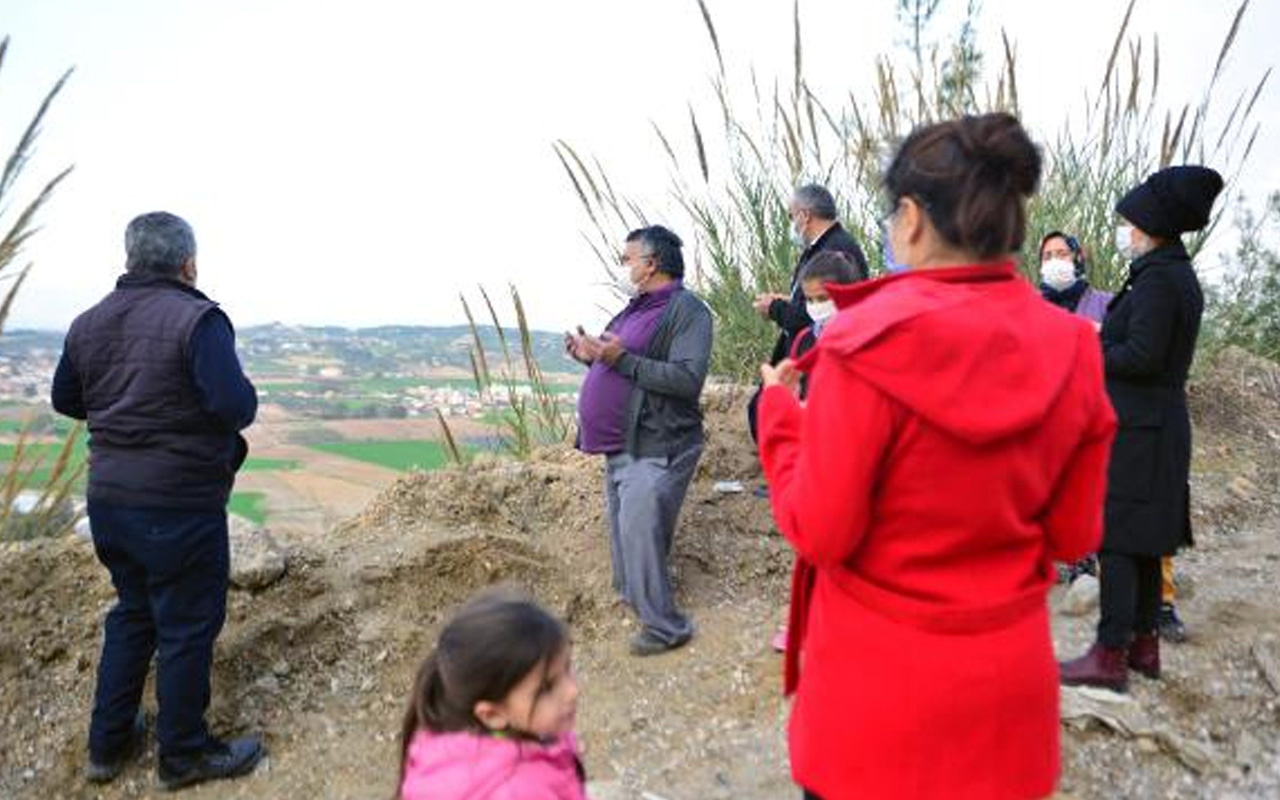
x,y
974,175
1001,144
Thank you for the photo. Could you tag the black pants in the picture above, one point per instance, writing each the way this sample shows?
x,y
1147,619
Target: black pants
x,y
169,568
1130,596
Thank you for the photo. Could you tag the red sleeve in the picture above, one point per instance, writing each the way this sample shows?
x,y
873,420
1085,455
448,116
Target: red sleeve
x,y
1073,524
821,460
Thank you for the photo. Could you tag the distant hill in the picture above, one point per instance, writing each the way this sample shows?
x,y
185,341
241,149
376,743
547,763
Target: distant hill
x,y
279,348
392,348
24,342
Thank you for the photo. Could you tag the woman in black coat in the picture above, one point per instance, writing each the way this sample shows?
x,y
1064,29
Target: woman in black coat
x,y
1148,341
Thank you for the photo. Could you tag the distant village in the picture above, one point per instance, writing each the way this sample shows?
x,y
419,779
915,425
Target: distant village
x,y
26,373
335,373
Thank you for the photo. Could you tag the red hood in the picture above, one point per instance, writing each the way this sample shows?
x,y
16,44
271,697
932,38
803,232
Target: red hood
x,y
973,350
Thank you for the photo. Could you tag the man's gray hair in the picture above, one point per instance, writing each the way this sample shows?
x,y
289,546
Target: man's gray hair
x,y
815,199
158,243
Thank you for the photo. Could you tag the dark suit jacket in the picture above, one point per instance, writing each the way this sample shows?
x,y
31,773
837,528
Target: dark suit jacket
x,y
790,315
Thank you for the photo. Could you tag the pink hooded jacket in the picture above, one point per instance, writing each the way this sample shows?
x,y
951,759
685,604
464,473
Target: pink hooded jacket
x,y
465,766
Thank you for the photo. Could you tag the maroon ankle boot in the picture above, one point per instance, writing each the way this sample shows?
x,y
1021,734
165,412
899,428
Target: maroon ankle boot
x,y
1144,655
1104,667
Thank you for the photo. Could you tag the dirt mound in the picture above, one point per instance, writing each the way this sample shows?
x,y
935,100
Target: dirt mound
x,y
1238,393
1235,407
322,660
53,594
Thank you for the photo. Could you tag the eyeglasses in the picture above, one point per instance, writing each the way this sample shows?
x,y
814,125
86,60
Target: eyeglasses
x,y
625,260
885,220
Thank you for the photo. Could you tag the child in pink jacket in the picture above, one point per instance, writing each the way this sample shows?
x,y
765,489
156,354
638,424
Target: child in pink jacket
x,y
493,707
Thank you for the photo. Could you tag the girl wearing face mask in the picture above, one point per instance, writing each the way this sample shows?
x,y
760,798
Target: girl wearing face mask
x,y
1148,341
824,269
1063,280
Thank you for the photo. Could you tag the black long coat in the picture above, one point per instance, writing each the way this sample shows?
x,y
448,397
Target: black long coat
x,y
1148,341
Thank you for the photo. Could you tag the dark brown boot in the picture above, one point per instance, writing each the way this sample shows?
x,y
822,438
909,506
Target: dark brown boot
x,y
1144,655
1103,667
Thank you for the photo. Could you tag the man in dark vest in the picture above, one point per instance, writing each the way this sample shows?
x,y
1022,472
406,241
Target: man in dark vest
x,y
814,229
153,369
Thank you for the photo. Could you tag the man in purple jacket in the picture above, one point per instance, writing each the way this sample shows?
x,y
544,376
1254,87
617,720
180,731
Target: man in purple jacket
x,y
639,409
153,369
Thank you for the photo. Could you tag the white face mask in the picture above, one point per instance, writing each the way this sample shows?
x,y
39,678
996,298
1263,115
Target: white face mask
x,y
621,278
1058,273
1132,243
797,238
821,312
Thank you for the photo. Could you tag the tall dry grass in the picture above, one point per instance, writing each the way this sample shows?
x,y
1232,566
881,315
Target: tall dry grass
x,y
51,513
734,195
1128,132
22,225
534,414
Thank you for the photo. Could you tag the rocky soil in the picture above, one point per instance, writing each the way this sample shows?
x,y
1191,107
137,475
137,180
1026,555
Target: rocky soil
x,y
321,660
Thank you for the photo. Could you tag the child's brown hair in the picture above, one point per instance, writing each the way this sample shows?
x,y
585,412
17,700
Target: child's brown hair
x,y
486,648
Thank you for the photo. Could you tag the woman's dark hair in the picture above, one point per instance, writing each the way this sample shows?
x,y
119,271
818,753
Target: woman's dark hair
x,y
972,176
486,648
829,266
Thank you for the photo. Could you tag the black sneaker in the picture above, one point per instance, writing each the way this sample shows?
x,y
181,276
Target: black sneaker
x,y
1068,573
646,643
1170,627
1065,574
228,759
107,770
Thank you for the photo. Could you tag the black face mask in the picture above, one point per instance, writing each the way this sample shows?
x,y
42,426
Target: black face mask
x,y
1068,298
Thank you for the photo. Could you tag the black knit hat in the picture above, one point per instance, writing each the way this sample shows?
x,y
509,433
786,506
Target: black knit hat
x,y
1172,201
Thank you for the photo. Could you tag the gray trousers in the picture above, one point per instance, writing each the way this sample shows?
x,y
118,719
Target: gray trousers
x,y
643,498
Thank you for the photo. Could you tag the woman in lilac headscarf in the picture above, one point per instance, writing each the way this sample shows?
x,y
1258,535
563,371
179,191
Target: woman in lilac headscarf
x,y
1063,280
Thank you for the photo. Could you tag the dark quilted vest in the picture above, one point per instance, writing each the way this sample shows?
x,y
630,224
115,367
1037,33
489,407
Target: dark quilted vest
x,y
150,444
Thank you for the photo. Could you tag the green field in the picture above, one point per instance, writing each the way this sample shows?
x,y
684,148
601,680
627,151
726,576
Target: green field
x,y
397,455
311,387
48,451
270,465
372,388
250,505
40,478
39,424
392,385
45,455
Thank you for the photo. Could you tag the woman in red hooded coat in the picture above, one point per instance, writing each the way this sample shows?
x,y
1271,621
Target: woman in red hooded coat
x,y
952,446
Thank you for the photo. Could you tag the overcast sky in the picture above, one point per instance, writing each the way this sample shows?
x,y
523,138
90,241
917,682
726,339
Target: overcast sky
x,y
361,163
